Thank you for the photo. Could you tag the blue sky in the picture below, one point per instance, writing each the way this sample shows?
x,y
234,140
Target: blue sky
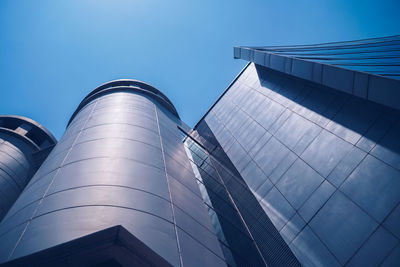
x,y
54,52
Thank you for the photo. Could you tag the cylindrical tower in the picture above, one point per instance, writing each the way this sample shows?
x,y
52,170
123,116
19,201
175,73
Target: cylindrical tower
x,y
24,144
121,162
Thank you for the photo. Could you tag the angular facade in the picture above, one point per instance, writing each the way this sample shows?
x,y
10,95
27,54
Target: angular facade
x,y
368,69
322,164
246,234
296,164
317,150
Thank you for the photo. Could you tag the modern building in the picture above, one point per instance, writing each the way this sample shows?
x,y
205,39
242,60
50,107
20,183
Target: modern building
x,y
296,164
314,131
24,144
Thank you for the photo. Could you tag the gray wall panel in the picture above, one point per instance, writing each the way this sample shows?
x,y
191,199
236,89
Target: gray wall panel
x,y
325,159
121,162
20,139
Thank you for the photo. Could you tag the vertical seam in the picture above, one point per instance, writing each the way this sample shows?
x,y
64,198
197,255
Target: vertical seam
x,y
51,183
237,210
169,189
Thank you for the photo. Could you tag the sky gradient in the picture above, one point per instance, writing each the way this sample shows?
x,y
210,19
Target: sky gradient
x,y
54,52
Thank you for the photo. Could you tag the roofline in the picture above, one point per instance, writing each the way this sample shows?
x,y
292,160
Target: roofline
x,y
373,87
223,93
33,123
123,85
107,84
322,44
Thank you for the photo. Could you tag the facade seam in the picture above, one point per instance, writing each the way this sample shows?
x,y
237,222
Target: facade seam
x,y
48,187
169,188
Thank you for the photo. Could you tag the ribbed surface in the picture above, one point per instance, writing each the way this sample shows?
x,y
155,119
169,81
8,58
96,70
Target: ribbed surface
x,y
15,170
120,162
20,139
263,245
378,55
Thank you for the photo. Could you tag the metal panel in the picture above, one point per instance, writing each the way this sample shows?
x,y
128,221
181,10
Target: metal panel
x,y
23,147
118,163
327,159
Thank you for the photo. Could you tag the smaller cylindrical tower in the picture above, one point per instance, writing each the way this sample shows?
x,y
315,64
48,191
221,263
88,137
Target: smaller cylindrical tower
x,y
24,144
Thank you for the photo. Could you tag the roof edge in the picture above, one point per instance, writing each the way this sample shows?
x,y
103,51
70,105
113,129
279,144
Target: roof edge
x,y
375,88
21,119
223,93
126,85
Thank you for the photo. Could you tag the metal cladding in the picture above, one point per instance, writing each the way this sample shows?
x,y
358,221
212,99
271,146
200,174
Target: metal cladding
x,y
23,143
296,164
366,68
323,164
121,161
127,85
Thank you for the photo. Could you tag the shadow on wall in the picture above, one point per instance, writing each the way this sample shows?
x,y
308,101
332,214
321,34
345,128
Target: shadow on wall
x,y
371,127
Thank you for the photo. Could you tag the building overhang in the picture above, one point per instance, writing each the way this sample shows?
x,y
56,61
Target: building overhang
x,y
111,247
376,88
27,130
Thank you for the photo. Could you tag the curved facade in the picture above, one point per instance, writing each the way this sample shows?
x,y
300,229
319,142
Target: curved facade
x,y
296,164
23,142
121,161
